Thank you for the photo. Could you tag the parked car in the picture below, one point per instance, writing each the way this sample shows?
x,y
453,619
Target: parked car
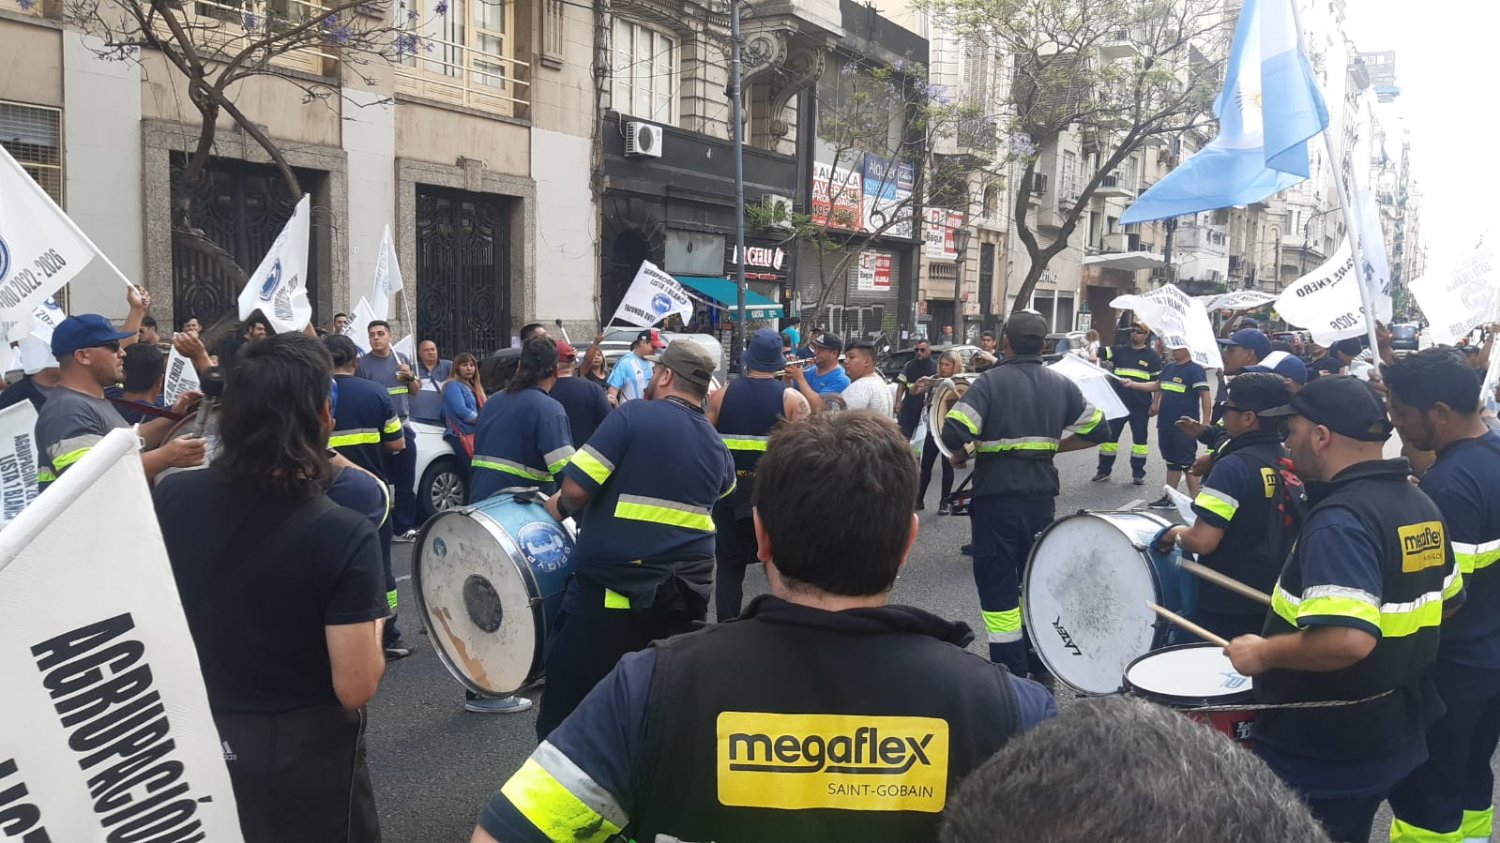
x,y
1054,346
1406,337
617,342
891,368
442,474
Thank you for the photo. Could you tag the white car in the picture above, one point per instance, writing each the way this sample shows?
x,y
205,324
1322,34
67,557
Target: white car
x,y
442,475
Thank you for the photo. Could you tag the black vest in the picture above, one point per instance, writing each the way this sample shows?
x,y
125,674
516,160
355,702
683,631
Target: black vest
x,y
1416,560
793,724
751,407
1260,536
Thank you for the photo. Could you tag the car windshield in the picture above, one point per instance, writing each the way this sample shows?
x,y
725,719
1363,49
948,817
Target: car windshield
x,y
1404,332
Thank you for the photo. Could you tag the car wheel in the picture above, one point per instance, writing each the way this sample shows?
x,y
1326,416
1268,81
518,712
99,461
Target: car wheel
x,y
444,485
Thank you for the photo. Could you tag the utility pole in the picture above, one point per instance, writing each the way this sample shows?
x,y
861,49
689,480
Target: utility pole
x,y
737,335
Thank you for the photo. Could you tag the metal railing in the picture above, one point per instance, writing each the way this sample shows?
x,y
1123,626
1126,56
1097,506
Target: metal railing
x,y
226,28
464,74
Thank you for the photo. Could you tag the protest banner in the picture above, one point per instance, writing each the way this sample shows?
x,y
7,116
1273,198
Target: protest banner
x,y
387,277
107,733
1375,267
278,287
1326,301
1093,382
407,346
18,460
1456,302
41,248
1236,300
1177,320
653,296
358,326
181,377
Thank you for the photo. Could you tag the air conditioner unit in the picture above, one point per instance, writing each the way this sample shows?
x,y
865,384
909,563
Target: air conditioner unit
x,y
1038,183
778,210
642,140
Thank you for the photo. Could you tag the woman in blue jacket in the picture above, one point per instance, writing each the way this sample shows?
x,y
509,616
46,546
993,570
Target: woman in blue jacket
x,y
463,395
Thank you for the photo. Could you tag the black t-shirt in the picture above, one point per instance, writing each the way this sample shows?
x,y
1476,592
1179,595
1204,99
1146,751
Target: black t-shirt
x,y
585,403
1325,366
258,619
914,370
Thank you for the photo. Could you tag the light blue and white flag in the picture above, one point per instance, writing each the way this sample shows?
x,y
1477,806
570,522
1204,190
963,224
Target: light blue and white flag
x,y
278,288
1269,109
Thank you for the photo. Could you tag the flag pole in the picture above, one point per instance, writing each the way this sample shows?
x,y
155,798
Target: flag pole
x,y
1353,230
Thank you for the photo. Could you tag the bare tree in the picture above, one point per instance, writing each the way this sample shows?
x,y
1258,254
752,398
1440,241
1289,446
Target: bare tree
x,y
1120,73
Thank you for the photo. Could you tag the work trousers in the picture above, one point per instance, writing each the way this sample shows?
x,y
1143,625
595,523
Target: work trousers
x,y
734,551
391,634
595,630
1348,819
401,470
1004,530
1449,797
930,455
300,776
1139,419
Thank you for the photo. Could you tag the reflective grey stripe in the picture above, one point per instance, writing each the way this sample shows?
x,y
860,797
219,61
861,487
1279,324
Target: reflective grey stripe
x,y
73,443
666,504
520,468
1004,637
580,784
1316,591
558,455
1088,416
969,413
1019,441
594,452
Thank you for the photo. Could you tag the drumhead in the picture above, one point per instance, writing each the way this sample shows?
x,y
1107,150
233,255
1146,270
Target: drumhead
x,y
474,592
1084,597
1187,675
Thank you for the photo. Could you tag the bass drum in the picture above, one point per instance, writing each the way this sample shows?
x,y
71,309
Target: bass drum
x,y
944,395
489,582
188,427
1084,596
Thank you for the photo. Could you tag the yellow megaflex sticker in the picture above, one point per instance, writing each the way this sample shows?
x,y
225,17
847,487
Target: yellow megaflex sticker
x,y
1421,546
848,761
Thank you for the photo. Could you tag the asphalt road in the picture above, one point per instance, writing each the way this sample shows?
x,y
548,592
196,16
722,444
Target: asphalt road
x,y
435,765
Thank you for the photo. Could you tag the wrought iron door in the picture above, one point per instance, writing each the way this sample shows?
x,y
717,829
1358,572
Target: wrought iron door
x,y
463,270
240,208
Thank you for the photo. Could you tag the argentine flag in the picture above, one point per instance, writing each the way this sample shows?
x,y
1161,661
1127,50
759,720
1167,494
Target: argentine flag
x,y
1269,109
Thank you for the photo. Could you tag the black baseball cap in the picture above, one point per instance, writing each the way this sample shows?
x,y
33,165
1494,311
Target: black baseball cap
x,y
1344,404
1023,324
1257,392
828,341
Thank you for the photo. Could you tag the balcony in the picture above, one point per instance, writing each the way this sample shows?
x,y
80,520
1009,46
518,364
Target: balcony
x,y
1124,44
223,29
1112,187
470,66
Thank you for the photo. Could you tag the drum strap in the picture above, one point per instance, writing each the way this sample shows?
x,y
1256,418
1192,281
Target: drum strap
x,y
146,409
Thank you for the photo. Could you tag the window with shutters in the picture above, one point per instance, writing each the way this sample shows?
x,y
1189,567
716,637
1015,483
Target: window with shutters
x,y
978,70
643,72
461,52
32,134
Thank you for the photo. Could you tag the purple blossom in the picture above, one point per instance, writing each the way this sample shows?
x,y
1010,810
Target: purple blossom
x,y
250,22
26,5
330,22
411,15
341,34
406,44
441,8
1021,145
368,8
846,69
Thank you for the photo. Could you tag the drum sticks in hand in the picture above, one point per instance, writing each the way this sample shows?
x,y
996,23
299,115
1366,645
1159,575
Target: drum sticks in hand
x,y
1188,625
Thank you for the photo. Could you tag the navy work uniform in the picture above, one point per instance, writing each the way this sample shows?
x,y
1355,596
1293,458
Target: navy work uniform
x,y
522,439
1141,365
364,419
1017,413
645,562
751,407
401,466
1373,556
909,414
1182,388
687,740
1449,797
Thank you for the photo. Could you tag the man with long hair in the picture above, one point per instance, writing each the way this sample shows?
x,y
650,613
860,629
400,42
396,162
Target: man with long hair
x,y
523,437
284,595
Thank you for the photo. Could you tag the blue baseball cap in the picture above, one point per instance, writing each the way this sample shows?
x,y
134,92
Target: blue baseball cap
x,y
1252,339
89,330
1280,363
764,352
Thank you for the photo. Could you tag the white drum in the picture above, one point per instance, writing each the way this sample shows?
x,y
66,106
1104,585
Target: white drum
x,y
1190,677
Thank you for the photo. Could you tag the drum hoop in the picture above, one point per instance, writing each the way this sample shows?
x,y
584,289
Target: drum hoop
x,y
1182,701
528,578
1160,625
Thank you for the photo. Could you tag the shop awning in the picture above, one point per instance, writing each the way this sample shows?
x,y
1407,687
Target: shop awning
x,y
723,294
1125,261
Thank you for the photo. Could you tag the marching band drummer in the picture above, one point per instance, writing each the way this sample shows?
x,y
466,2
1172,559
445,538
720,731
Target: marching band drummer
x,y
1136,368
1355,615
1243,529
647,482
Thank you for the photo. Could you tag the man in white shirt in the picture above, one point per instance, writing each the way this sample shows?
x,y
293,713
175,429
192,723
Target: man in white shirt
x,y
627,381
867,390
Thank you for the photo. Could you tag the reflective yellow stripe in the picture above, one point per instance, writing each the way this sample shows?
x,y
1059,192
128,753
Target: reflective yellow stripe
x,y
592,463
1140,450
62,461
964,420
1342,607
1200,385
1407,833
1453,585
1473,557
553,809
615,600
1394,620
1003,627
733,484
1109,449
662,511
1217,502
1023,443
1168,386
741,442
1137,374
397,390
1478,825
1093,422
497,464
967,415
392,426
390,599
45,476
1284,605
343,439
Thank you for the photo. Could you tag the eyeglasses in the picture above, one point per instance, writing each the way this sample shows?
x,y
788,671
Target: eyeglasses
x,y
112,345
921,350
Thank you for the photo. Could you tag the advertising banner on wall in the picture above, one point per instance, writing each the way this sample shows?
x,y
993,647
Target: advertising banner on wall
x,y
837,197
875,272
887,196
939,233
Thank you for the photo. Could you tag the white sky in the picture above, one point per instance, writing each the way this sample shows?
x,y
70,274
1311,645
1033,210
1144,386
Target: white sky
x,y
1446,55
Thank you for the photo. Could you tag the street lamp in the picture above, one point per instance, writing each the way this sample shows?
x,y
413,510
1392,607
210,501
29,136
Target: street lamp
x,y
961,246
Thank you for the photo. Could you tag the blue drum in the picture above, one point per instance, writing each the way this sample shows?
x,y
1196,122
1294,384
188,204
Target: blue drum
x,y
489,582
1084,596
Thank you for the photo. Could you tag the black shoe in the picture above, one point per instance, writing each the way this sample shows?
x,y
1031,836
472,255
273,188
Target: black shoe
x,y
943,508
1101,477
921,505
1138,481
1163,502
967,550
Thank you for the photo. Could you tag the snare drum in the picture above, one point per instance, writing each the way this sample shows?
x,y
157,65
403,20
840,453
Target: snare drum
x,y
1191,676
1084,596
489,582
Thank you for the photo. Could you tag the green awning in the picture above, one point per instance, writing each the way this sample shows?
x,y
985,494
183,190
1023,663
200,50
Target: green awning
x,y
724,293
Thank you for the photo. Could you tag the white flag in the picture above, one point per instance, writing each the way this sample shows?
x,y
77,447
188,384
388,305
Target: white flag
x,y
278,287
1375,271
102,683
1456,301
1093,382
18,460
1178,321
653,296
33,333
41,249
1237,300
358,327
387,277
181,377
407,346
1326,301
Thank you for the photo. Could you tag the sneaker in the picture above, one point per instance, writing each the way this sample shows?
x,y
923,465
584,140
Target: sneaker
x,y
1162,502
944,508
1138,481
408,536
397,649
1101,477
504,705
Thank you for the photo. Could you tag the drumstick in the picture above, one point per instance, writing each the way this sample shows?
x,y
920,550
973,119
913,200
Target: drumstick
x,y
1223,581
1188,625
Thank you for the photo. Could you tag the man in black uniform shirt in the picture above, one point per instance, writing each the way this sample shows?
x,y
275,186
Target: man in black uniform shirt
x,y
1355,615
1135,366
909,405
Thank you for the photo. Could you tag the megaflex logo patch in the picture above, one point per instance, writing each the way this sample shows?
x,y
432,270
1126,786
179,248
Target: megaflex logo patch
x,y
1421,546
849,761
